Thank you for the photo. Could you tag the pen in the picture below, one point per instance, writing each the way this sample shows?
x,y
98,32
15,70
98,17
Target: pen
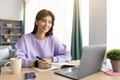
x,y
40,58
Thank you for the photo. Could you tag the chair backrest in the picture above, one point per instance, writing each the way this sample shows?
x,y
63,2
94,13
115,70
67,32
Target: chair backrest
x,y
6,52
9,47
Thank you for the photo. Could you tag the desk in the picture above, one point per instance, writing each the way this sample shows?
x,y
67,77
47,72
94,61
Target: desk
x,y
49,75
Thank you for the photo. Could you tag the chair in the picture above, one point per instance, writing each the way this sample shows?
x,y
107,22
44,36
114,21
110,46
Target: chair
x,y
6,52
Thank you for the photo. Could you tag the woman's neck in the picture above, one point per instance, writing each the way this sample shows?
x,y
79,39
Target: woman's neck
x,y
40,36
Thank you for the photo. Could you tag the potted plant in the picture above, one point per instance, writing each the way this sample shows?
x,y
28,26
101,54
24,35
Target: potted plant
x,y
114,56
10,31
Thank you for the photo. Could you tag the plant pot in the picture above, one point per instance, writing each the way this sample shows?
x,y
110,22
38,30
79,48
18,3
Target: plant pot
x,y
115,65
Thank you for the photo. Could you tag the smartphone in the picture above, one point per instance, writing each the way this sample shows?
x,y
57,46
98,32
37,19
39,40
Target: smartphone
x,y
30,76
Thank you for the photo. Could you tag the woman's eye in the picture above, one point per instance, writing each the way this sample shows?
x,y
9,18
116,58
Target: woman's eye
x,y
50,22
43,20
46,21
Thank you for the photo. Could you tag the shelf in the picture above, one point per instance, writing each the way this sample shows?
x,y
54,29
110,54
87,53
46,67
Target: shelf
x,y
3,19
7,27
8,42
11,34
10,29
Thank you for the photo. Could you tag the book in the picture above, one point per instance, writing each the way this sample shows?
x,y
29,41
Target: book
x,y
55,66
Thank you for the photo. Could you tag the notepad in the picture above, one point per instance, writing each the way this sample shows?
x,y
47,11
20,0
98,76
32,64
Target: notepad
x,y
55,66
111,73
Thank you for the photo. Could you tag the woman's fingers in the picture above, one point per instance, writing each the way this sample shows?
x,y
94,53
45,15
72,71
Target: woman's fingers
x,y
44,65
49,60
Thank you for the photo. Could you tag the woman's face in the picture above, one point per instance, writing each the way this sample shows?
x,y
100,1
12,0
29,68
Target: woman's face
x,y
44,24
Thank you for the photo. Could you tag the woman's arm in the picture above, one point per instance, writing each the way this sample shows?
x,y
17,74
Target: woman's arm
x,y
20,51
61,53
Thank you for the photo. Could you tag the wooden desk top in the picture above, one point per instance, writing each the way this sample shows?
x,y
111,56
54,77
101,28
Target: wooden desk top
x,y
50,75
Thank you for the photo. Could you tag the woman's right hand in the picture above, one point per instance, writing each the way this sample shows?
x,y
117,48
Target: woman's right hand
x,y
43,65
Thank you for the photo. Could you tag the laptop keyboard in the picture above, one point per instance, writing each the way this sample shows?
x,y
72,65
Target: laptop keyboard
x,y
69,72
73,71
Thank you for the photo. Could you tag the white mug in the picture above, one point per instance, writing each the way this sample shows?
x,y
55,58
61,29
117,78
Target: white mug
x,y
15,65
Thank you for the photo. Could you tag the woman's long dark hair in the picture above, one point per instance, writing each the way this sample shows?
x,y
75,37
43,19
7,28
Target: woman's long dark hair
x,y
41,14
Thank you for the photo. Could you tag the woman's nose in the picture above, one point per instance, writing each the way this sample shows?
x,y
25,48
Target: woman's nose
x,y
46,23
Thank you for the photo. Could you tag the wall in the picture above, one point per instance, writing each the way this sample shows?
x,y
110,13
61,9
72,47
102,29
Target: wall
x,y
97,22
113,24
11,9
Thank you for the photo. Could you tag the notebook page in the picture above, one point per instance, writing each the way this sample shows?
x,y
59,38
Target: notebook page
x,y
53,67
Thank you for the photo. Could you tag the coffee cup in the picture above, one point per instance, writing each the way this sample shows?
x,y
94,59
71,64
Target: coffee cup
x,y
15,65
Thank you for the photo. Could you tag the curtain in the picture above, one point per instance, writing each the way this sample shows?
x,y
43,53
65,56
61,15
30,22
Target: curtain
x,y
23,24
76,39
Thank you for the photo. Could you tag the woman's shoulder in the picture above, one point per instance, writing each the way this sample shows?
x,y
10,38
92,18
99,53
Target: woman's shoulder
x,y
28,35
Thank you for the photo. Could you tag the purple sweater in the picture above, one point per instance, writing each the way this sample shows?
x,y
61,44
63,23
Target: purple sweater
x,y
28,47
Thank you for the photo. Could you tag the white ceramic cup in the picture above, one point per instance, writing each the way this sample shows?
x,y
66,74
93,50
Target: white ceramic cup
x,y
15,65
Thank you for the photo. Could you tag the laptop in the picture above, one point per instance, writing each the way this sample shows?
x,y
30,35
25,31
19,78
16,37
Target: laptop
x,y
91,62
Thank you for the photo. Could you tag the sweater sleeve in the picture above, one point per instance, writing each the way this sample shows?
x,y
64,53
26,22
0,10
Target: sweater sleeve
x,y
61,53
21,51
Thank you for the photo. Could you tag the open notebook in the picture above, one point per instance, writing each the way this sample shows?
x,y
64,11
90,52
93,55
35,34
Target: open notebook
x,y
55,66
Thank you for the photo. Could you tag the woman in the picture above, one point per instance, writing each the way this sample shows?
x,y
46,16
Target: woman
x,y
41,42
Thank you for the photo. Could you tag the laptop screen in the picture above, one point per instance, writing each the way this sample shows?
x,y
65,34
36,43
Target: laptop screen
x,y
92,59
